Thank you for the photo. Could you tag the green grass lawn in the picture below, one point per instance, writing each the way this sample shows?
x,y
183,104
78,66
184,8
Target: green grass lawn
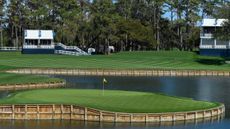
x,y
123,60
8,78
120,101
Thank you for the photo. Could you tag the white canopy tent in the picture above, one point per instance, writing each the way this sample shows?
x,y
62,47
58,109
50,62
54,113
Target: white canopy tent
x,y
212,22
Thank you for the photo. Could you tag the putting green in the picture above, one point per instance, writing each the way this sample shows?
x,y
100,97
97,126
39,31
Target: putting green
x,y
119,101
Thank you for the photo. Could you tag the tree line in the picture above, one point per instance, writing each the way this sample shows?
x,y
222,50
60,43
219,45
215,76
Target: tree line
x,y
128,25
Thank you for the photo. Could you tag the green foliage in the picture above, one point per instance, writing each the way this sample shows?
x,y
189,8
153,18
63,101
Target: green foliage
x,y
125,24
224,12
119,101
136,31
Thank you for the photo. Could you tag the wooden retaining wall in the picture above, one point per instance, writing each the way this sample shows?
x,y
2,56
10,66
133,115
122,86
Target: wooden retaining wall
x,y
31,86
98,72
72,112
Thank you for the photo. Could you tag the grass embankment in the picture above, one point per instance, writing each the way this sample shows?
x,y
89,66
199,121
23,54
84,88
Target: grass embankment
x,y
119,101
9,79
123,60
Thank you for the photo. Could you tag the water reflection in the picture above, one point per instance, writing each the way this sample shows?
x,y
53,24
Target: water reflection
x,y
66,124
4,94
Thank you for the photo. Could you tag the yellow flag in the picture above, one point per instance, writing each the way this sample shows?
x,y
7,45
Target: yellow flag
x,y
104,80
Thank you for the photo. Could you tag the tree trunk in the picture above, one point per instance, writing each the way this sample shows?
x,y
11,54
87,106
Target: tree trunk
x,y
122,46
108,51
187,24
179,30
156,25
12,35
16,37
1,38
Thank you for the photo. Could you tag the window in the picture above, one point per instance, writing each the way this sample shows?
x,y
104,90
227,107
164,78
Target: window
x,y
221,42
207,41
45,42
31,42
209,30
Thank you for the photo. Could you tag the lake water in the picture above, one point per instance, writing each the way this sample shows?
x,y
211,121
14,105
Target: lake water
x,y
215,89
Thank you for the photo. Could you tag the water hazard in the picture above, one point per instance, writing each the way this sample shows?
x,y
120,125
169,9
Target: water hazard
x,y
201,88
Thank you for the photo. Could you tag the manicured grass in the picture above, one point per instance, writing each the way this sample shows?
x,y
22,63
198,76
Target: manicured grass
x,y
120,101
123,60
4,67
8,78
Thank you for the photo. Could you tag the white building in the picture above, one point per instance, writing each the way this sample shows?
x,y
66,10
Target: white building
x,y
208,44
38,42
42,42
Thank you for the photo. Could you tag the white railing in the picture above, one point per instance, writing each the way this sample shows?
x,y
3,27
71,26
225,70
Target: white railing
x,y
10,48
206,46
221,46
38,46
62,52
214,46
61,45
206,35
81,52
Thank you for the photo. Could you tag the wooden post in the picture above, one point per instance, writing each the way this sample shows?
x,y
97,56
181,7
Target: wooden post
x,y
101,116
53,111
185,116
195,117
115,117
71,112
13,112
146,118
38,115
85,117
26,112
62,112
174,117
131,117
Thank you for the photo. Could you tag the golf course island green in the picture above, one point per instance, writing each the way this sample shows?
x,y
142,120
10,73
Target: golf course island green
x,y
11,79
115,101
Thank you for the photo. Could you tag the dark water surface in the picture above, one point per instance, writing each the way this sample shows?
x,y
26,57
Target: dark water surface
x,y
215,89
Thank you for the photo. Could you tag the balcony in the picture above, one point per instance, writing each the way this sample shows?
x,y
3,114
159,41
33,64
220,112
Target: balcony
x,y
214,47
206,46
38,46
221,46
206,35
